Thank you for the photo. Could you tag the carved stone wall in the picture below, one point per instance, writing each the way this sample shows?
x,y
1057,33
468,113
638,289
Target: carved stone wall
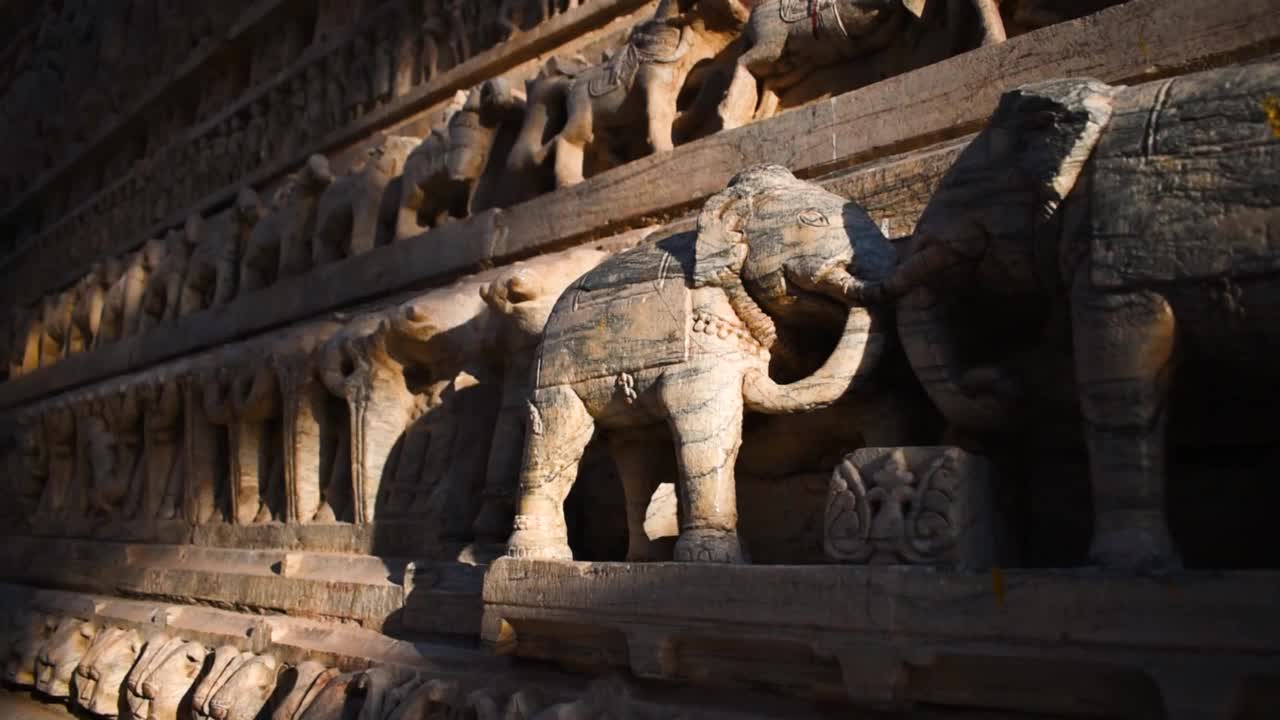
x,y
639,358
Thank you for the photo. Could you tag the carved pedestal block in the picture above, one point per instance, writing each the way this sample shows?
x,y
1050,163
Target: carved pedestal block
x,y
913,506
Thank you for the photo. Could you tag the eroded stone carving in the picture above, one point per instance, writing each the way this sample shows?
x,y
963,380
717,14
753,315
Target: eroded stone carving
x,y
159,685
1058,199
914,505
60,656
668,332
33,631
100,676
212,277
358,211
241,690
280,243
651,70
304,682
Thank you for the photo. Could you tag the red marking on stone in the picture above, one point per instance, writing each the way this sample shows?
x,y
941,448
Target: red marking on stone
x,y
813,16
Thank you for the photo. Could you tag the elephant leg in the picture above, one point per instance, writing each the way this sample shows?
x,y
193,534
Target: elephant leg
x,y
1124,347
739,103
559,429
636,456
706,424
660,104
571,144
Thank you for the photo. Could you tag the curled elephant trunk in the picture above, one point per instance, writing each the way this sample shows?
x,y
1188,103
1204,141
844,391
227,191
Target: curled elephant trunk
x,y
931,349
853,360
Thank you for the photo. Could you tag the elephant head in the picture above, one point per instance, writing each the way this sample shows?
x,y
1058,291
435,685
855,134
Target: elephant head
x,y
792,255
161,689
993,229
246,692
474,128
102,671
61,655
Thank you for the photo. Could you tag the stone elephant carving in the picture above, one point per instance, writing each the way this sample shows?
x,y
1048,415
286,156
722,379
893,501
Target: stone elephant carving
x,y
786,37
478,340
304,682
280,243
636,89
91,298
213,272
55,325
243,690
160,683
162,298
122,311
682,332
100,675
57,662
527,174
31,634
1094,197
450,174
358,212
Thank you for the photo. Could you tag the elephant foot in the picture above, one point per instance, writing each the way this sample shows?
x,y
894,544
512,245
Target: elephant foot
x,y
325,514
539,538
1134,541
494,519
529,545
718,546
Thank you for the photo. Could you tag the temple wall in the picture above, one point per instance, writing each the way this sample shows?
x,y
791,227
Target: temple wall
x,y
351,351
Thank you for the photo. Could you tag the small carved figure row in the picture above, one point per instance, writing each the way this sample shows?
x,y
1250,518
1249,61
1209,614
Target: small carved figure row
x,y
500,146
111,671
409,411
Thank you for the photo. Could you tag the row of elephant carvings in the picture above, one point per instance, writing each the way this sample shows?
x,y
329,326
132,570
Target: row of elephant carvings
x,y
148,674
1107,220
497,145
422,400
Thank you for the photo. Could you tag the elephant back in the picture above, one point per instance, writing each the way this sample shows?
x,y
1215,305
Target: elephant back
x,y
1186,180
630,312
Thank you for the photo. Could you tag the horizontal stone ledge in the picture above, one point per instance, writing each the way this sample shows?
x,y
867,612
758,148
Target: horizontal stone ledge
x,y
1136,41
1183,645
291,639
379,593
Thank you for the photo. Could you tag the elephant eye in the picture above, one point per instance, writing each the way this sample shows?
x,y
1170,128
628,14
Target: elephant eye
x,y
813,217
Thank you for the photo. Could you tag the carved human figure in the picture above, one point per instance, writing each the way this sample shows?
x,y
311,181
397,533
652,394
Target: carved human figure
x,y
118,484
650,70
60,441
358,211
770,252
31,476
100,675
212,446
163,423
60,656
915,505
1061,198
257,470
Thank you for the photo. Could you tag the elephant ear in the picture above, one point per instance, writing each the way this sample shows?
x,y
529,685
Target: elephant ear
x,y
721,245
1054,127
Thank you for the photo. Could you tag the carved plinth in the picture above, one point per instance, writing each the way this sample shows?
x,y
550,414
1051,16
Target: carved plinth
x,y
913,506
1189,644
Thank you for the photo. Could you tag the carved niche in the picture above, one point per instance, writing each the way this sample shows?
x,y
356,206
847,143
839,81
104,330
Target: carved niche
x,y
915,506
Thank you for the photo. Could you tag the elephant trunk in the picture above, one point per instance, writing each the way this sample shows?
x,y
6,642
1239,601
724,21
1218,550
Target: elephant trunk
x,y
853,360
931,349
